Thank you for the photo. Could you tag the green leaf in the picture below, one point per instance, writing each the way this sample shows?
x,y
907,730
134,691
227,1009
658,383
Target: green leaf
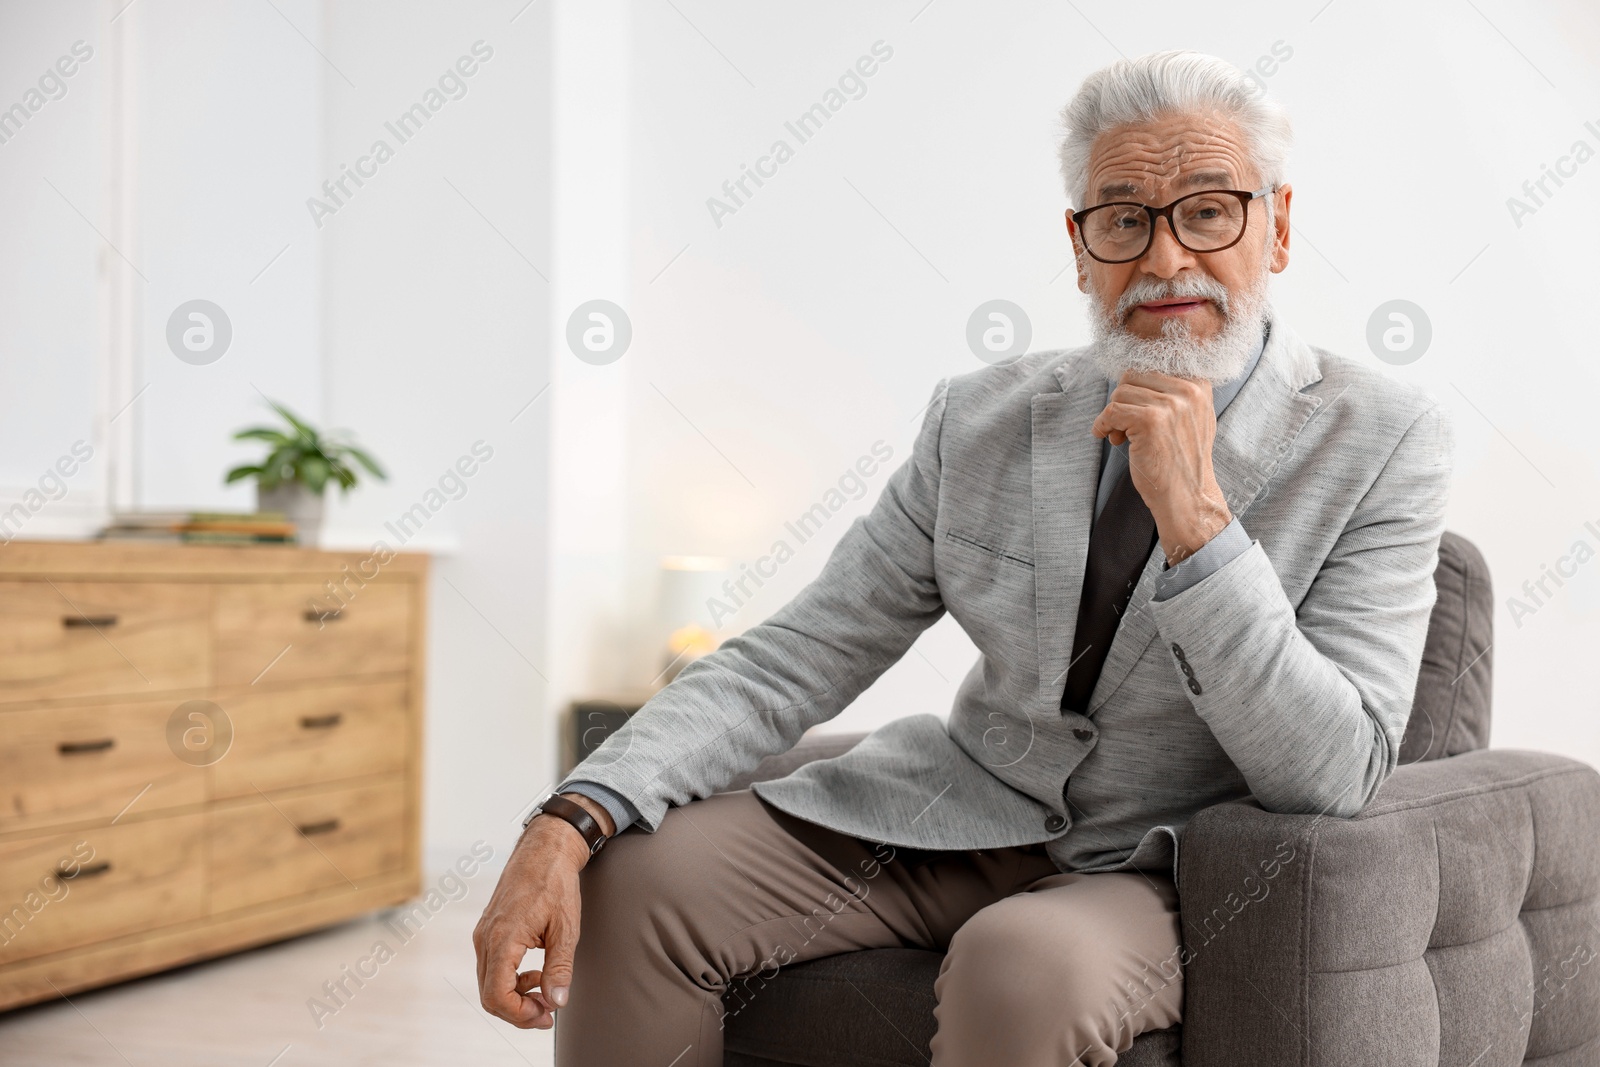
x,y
281,458
307,457
261,433
367,462
314,472
300,427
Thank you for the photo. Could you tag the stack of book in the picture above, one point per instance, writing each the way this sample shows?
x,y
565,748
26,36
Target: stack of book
x,y
210,527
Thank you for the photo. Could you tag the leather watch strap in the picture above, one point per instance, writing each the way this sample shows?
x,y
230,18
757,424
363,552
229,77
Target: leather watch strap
x,y
575,815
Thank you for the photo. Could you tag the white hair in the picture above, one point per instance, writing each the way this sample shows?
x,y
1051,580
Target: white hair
x,y
1134,91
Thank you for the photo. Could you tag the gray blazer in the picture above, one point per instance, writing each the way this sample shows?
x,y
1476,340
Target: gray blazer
x,y
1287,674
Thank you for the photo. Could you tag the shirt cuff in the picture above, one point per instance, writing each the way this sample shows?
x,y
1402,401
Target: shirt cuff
x,y
621,810
1229,544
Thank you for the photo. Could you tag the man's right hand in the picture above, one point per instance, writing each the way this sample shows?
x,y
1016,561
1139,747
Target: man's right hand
x,y
536,904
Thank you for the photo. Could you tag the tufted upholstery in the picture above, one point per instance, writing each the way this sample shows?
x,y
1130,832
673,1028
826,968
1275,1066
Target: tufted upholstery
x,y
1454,922
1450,710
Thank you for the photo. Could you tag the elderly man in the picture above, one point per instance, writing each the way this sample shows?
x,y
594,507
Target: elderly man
x,y
1197,560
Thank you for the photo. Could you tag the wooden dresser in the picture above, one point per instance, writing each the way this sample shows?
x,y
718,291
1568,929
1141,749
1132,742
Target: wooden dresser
x,y
202,748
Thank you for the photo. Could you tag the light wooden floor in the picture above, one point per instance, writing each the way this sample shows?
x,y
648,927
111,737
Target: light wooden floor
x,y
250,1009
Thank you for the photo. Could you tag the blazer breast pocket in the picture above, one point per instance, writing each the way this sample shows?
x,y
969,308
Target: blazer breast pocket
x,y
987,586
986,548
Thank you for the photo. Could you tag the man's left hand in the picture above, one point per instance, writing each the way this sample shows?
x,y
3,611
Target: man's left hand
x,y
1169,423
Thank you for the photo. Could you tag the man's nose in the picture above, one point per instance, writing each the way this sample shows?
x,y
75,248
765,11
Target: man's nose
x,y
1165,257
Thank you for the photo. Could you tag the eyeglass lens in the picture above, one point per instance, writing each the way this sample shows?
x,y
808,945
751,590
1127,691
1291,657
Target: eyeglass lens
x,y
1203,223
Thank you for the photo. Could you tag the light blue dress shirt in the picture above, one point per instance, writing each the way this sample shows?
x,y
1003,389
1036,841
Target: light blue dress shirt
x,y
1228,544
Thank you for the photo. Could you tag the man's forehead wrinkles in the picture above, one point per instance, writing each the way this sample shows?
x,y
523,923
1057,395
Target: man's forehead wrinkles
x,y
1122,176
1170,142
1168,162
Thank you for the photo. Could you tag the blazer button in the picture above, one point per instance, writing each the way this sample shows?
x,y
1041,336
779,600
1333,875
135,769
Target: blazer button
x,y
1194,686
1082,734
1183,665
1176,650
1055,822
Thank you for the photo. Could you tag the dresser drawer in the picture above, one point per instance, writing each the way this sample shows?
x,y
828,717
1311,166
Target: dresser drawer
x,y
78,639
130,877
287,846
294,737
292,631
61,765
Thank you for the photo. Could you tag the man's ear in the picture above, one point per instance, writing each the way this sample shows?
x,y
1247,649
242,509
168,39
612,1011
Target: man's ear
x,y
1077,253
1280,224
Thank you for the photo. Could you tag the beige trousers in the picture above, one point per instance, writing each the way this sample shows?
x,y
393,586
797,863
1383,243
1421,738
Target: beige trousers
x,y
1043,968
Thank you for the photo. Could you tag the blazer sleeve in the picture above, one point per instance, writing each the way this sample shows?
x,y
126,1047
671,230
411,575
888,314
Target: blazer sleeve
x,y
757,693
1311,705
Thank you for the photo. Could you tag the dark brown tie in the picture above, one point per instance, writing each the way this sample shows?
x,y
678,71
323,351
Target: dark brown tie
x,y
1119,547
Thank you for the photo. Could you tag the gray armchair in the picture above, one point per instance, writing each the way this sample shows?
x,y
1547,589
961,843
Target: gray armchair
x,y
1454,922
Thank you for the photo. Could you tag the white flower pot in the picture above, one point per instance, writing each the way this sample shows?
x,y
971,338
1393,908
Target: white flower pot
x,y
299,505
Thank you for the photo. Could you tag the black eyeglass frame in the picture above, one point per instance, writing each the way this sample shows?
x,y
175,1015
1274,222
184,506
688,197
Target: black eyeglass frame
x,y
1154,213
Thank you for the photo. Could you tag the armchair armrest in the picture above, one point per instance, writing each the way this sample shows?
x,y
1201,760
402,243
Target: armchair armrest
x,y
1459,912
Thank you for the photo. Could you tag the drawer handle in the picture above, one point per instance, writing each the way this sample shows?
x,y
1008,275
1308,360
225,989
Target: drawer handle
x,y
327,826
321,722
72,622
74,748
91,871
313,615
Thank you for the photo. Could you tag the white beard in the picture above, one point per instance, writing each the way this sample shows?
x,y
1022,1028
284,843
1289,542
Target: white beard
x,y
1218,359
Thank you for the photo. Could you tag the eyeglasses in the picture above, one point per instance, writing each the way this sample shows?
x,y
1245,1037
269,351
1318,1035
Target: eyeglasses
x,y
1207,221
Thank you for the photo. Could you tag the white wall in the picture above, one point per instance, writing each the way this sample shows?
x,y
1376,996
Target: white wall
x,y
227,116
586,404
179,178
434,324
51,169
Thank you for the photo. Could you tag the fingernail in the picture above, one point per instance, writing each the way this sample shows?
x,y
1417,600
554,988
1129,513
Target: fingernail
x,y
559,995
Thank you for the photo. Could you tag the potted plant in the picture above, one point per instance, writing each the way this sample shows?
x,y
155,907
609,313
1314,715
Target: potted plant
x,y
301,463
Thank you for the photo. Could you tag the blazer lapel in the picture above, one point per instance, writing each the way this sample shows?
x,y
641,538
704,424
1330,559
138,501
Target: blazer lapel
x,y
1260,426
1257,429
1066,474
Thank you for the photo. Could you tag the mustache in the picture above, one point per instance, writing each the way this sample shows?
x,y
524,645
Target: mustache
x,y
1194,286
